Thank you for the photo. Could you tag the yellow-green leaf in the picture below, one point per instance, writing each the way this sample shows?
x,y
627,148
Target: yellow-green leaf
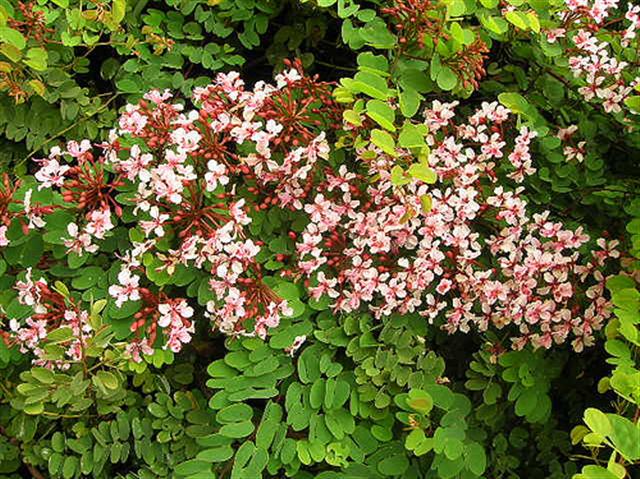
x,y
422,172
384,141
382,114
426,202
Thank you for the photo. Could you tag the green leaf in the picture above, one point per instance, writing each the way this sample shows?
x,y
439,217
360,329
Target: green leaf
x,y
447,79
518,19
118,10
533,21
526,402
216,454
475,458
398,176
376,64
384,141
420,401
57,441
412,136
70,467
12,37
382,114
597,421
455,8
426,203
376,34
394,465
595,472
60,335
415,79
514,102
237,430
316,394
43,375
372,85
128,85
352,117
37,58
625,436
409,102
422,172
633,102
309,365
55,463
89,277
109,380
234,413
219,369
193,466
157,410
496,24
414,439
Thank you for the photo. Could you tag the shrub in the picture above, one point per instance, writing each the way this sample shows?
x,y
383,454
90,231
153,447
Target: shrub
x,y
418,270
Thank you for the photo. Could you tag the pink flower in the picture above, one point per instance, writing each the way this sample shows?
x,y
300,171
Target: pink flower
x,y
51,174
444,286
35,220
287,78
138,347
137,165
127,290
440,114
99,223
132,121
77,150
231,83
565,134
325,286
174,312
155,224
493,148
553,34
3,236
186,140
157,96
238,214
28,290
79,243
178,336
216,175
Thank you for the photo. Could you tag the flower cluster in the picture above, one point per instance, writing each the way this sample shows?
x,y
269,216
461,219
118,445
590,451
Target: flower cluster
x,y
476,257
51,311
188,185
417,20
183,188
33,23
176,174
590,57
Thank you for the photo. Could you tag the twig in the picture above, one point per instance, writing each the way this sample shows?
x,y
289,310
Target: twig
x,y
337,67
34,472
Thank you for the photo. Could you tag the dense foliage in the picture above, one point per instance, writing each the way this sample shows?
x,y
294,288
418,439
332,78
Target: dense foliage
x,y
332,239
